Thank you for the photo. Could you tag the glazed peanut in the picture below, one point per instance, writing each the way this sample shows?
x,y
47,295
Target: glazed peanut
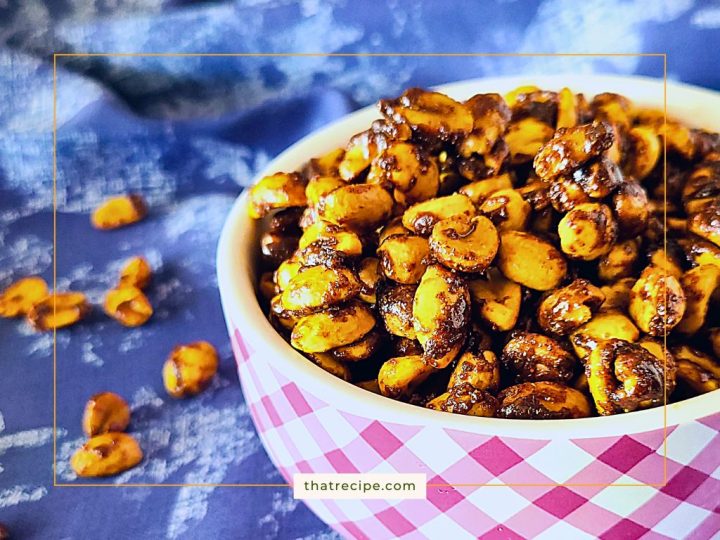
x,y
571,147
128,305
531,261
107,454
507,209
332,328
422,217
362,349
542,401
118,212
281,190
331,364
190,369
358,206
569,308
395,304
137,272
657,302
105,412
588,231
398,377
369,275
624,376
603,326
466,245
479,190
696,370
698,285
441,312
318,287
619,262
496,300
535,357
19,298
403,258
465,399
58,310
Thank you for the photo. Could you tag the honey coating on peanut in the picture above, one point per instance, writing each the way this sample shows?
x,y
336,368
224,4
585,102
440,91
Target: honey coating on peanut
x,y
105,412
107,454
190,369
543,400
454,248
535,357
118,212
624,376
20,297
441,313
465,399
466,245
568,308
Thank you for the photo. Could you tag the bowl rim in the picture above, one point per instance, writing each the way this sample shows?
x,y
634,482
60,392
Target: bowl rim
x,y
235,272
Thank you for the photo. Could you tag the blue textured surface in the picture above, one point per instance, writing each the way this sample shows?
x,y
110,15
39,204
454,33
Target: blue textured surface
x,y
189,133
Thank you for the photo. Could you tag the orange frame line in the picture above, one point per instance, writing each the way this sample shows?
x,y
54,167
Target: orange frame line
x,y
319,54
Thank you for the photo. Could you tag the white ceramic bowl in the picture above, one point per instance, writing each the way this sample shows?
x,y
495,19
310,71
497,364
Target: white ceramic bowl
x,y
310,421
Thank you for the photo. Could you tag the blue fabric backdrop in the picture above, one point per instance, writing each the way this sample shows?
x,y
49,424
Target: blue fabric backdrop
x,y
189,133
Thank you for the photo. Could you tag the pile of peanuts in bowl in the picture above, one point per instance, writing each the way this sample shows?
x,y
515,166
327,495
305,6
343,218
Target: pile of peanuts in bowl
x,y
538,255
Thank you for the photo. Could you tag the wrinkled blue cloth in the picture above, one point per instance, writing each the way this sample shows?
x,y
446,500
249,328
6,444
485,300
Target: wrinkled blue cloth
x,y
188,133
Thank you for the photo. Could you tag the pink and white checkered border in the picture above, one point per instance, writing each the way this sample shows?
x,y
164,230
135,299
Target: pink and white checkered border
x,y
303,433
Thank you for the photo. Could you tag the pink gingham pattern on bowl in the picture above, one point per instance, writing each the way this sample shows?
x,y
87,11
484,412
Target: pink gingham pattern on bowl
x,y
303,433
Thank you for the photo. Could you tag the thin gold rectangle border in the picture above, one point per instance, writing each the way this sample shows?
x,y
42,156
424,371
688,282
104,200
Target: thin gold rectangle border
x,y
315,54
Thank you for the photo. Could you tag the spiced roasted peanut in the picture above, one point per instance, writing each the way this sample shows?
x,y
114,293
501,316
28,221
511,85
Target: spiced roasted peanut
x,y
566,309
625,376
698,285
107,454
58,310
588,231
657,302
118,212
507,209
280,190
422,217
398,377
318,287
136,272
630,204
190,369
429,114
478,367
465,399
335,237
395,304
544,400
362,349
604,325
525,137
535,357
369,276
357,206
696,370
619,262
479,190
496,300
466,245
19,298
531,261
571,147
332,328
128,305
105,412
331,364
644,152
403,258
403,166
441,312
706,222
